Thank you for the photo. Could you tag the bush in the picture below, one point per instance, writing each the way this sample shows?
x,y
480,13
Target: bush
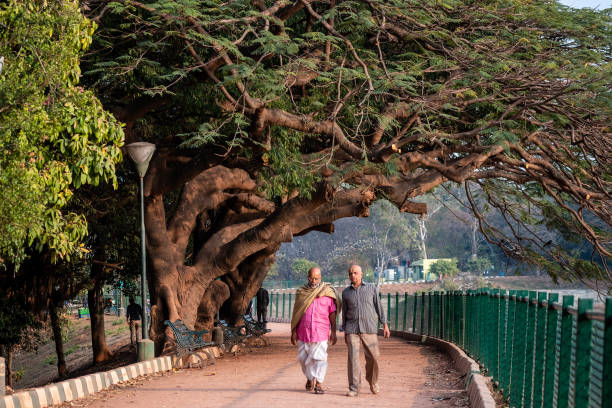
x,y
444,268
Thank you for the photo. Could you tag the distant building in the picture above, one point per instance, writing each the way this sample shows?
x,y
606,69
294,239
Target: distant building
x,y
422,267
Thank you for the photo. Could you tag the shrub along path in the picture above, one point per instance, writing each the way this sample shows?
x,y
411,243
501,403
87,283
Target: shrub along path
x,y
412,375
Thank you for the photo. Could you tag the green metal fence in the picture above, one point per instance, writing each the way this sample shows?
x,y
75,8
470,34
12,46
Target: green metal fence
x,y
542,353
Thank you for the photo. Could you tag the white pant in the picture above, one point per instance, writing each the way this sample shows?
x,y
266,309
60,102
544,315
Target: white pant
x,y
313,359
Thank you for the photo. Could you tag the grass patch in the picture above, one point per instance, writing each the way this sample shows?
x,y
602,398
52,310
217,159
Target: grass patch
x,y
70,350
117,322
51,360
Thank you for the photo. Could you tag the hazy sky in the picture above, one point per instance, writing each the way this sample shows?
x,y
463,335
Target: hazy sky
x,y
599,4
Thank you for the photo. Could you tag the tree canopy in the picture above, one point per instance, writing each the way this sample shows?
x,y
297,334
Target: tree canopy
x,y
276,118
443,268
55,136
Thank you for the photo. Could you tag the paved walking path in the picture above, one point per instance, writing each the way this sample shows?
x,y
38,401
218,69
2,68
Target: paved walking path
x,y
412,375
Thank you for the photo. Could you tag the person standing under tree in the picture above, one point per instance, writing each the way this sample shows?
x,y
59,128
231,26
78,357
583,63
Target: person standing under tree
x,y
314,313
133,317
263,299
361,312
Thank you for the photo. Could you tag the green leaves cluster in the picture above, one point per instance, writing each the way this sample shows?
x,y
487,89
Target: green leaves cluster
x,y
54,135
444,267
301,266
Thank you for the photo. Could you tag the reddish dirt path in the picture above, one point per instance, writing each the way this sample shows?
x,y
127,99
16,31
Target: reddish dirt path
x,y
411,376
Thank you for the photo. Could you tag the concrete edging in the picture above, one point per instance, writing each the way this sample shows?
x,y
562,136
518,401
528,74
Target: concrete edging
x,y
70,390
476,384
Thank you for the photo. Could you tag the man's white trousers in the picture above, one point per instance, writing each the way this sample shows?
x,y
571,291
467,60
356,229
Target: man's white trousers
x,y
313,359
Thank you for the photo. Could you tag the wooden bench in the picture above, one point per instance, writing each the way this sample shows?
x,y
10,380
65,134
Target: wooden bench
x,y
188,341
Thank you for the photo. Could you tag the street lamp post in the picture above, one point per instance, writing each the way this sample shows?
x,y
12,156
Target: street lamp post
x,y
141,153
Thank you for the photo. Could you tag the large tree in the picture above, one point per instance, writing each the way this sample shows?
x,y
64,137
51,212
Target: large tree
x,y
276,118
54,135
55,138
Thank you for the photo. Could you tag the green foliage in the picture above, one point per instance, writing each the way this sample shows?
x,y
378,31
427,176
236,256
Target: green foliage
x,y
301,266
273,271
479,74
54,135
444,268
284,170
478,265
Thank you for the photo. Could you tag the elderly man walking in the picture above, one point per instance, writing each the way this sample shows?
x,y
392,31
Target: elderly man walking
x,y
361,312
312,324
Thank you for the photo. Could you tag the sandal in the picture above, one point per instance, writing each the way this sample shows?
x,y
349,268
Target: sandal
x,y
318,389
309,385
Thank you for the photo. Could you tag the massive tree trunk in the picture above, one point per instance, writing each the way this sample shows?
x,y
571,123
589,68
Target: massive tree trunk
x,y
244,282
56,327
101,352
222,228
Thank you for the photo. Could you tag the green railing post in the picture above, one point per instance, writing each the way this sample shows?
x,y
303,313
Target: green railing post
x,y
291,305
463,319
480,328
429,317
539,351
494,351
414,311
505,353
580,362
601,360
488,330
518,349
441,314
529,348
421,331
467,316
437,313
382,304
283,315
562,358
473,323
448,315
552,319
389,308
444,311
451,316
396,326
405,311
277,304
510,334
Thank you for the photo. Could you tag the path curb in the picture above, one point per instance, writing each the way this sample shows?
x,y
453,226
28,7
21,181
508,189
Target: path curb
x,y
70,390
476,384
